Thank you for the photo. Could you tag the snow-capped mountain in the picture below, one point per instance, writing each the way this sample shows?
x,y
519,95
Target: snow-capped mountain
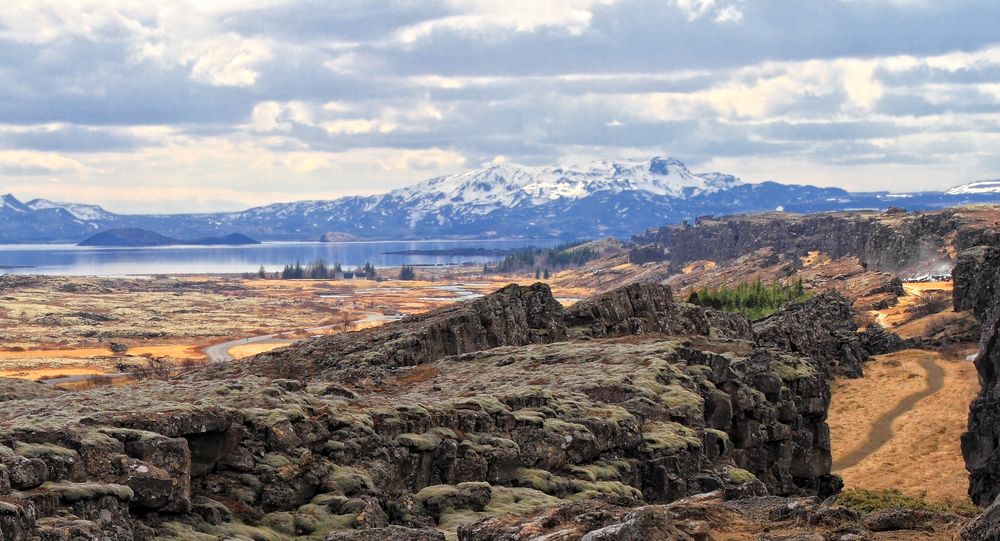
x,y
980,187
91,213
509,185
602,198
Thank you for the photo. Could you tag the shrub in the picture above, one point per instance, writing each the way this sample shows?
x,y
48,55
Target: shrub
x,y
932,302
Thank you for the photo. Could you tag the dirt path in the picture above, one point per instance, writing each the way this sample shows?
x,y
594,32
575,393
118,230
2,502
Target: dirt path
x,y
881,430
219,353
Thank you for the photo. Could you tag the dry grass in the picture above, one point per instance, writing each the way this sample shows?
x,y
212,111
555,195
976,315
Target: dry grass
x,y
62,325
247,350
924,454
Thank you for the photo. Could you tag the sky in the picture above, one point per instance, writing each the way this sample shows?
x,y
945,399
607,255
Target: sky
x,y
182,106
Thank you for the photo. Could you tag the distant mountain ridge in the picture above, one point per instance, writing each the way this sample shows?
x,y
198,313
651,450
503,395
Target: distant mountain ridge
x,y
597,199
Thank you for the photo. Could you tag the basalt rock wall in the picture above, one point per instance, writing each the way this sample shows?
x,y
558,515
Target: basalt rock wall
x,y
886,242
821,327
975,277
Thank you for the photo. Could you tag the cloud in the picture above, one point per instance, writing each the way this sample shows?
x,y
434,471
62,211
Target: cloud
x,y
297,99
478,16
29,163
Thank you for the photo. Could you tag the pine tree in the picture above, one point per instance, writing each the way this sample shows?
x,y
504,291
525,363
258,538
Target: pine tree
x,y
545,275
538,273
261,272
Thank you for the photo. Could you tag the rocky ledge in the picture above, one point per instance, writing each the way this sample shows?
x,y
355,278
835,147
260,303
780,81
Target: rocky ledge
x,y
434,426
896,241
975,278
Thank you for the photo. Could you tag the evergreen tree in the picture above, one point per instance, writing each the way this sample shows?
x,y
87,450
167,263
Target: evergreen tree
x,y
545,275
261,272
538,273
318,270
406,272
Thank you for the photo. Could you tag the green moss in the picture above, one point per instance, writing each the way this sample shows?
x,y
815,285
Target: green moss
x,y
97,438
669,436
529,417
483,403
792,368
175,531
282,522
677,397
544,481
318,516
419,442
739,476
504,500
872,501
718,433
75,492
599,489
601,471
237,529
274,460
269,417
560,426
350,480
444,433
699,371
36,450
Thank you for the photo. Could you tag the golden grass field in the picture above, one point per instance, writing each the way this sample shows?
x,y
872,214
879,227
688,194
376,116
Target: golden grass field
x,y
63,326
923,455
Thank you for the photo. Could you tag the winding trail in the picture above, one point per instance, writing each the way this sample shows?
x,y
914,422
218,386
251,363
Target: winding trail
x,y
881,431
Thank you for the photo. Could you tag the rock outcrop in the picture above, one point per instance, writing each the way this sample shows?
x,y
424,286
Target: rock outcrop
x,y
883,241
975,278
821,327
512,316
710,516
650,308
499,406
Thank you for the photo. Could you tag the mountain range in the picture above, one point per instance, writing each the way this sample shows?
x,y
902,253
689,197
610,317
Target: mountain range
x,y
603,198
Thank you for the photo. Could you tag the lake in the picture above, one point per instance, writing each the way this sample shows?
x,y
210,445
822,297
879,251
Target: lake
x,y
69,259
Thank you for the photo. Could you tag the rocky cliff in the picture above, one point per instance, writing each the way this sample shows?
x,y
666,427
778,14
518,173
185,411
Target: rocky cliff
x,y
503,405
975,278
821,327
891,241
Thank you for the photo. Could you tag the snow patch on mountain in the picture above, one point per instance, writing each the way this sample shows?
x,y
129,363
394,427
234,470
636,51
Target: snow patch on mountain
x,y
482,191
79,211
980,187
8,201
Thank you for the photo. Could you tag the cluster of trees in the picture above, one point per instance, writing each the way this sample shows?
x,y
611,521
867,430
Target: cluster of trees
x,y
559,257
320,270
406,272
753,299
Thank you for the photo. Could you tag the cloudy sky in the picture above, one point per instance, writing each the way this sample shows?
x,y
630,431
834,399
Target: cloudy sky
x,y
183,105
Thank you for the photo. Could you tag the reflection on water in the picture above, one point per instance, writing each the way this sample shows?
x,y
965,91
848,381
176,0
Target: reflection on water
x,y
67,259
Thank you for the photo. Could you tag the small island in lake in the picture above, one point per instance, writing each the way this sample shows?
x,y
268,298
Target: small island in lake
x,y
135,237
